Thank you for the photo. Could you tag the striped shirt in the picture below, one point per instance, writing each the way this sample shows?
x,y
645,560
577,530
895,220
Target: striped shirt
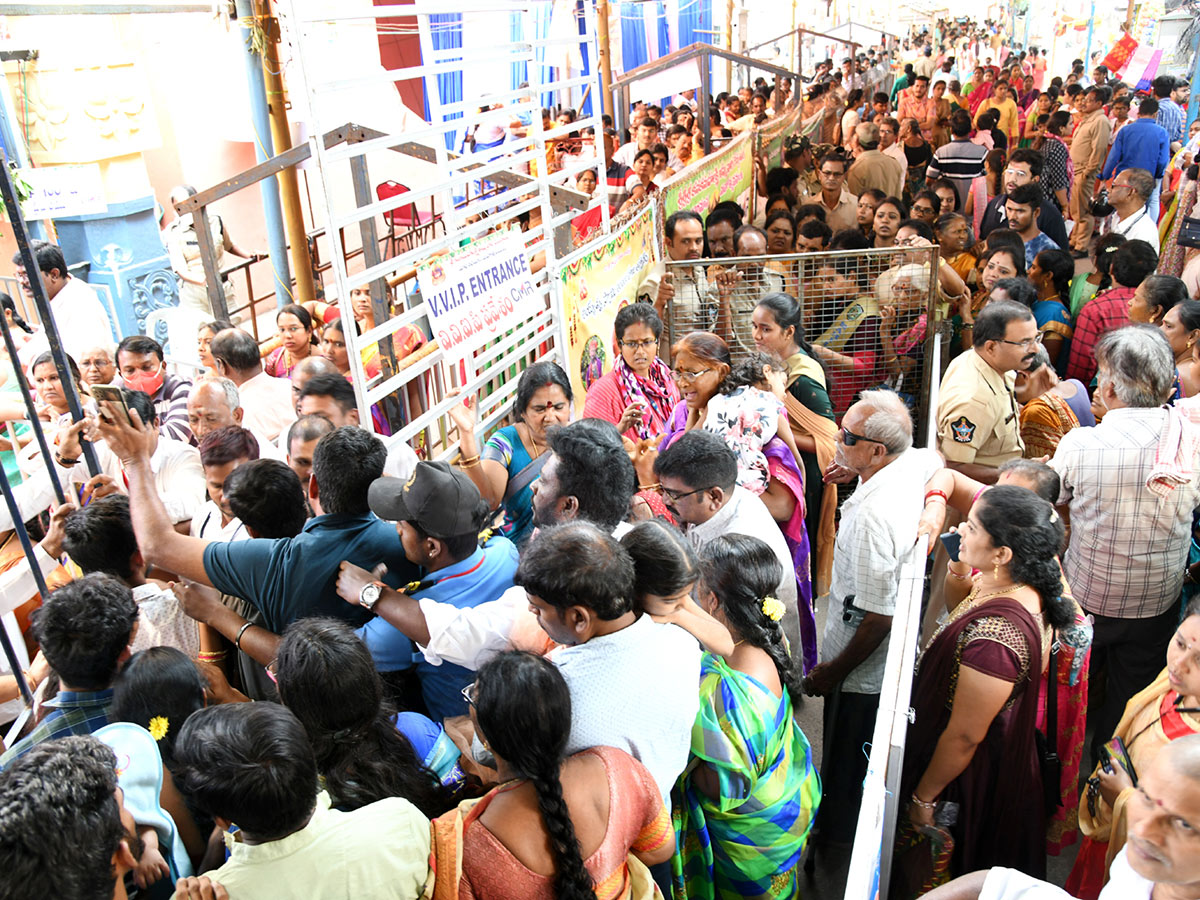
x,y
1170,116
70,712
170,402
1128,546
961,161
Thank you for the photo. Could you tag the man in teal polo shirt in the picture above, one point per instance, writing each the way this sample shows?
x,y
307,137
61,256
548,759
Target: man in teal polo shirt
x,y
439,513
285,579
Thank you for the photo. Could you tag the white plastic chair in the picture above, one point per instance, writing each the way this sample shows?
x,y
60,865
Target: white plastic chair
x,y
182,327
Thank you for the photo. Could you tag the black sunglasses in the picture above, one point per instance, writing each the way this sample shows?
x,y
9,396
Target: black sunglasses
x,y
849,438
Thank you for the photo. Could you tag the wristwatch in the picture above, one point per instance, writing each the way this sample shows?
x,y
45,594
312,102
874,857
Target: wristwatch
x,y
370,594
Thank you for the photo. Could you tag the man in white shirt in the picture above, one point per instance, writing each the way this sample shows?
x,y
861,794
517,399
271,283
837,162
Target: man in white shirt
x,y
76,308
645,137
99,538
178,475
877,534
1129,192
1130,527
580,585
266,402
214,403
698,474
221,452
588,477
1161,816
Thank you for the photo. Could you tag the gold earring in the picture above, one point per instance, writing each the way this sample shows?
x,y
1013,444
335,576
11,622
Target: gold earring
x,y
996,572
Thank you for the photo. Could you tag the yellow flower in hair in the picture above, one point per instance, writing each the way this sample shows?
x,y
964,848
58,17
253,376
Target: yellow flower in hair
x,y
772,608
159,727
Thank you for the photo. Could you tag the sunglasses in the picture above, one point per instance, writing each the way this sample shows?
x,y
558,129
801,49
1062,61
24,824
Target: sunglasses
x,y
849,438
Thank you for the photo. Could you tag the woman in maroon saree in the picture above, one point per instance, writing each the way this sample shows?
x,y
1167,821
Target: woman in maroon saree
x,y
976,697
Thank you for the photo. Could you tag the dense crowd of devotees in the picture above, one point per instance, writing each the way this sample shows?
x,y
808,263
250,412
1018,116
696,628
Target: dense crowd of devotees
x,y
280,657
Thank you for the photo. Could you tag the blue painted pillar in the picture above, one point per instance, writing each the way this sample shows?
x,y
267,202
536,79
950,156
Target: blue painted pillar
x,y
264,149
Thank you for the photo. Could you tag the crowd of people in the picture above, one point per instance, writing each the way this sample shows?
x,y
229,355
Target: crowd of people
x,y
279,657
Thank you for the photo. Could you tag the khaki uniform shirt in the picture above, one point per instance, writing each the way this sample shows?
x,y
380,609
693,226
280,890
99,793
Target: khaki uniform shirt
x,y
1089,146
977,414
694,307
874,169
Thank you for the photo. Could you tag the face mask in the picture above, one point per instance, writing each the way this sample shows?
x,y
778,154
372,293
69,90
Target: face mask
x,y
147,382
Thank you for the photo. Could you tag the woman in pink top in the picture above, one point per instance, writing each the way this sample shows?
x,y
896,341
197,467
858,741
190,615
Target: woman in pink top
x,y
562,827
638,395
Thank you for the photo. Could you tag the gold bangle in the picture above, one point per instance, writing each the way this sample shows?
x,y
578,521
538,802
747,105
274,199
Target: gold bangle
x,y
953,574
468,462
211,655
657,486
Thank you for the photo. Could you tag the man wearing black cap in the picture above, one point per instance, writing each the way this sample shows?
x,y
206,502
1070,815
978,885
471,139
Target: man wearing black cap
x,y
588,477
439,513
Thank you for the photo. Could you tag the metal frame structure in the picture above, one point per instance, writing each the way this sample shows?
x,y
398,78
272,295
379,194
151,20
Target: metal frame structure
x,y
705,53
512,195
871,855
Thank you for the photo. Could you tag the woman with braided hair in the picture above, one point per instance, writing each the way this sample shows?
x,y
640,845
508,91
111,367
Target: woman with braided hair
x,y
744,805
972,742
570,828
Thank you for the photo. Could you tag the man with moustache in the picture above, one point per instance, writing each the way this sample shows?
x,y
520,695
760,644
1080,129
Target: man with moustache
x,y
977,413
1159,858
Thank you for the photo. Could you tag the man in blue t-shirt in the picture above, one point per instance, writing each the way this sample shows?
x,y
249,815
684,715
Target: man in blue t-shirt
x,y
285,579
439,512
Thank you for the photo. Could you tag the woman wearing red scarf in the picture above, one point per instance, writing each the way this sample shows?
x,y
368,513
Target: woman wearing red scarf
x,y
638,395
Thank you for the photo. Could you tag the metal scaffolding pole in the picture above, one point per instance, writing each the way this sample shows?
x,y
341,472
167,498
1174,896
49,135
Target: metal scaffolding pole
x,y
23,536
42,301
34,422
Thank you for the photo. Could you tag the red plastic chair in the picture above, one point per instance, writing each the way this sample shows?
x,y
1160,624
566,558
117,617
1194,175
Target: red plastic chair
x,y
403,216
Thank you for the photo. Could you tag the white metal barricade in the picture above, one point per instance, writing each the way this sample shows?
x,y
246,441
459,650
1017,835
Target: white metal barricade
x,y
871,858
481,188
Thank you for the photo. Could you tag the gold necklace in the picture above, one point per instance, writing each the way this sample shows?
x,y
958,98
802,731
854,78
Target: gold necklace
x,y
532,440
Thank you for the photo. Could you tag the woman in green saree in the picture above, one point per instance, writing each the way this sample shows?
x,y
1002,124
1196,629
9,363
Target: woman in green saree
x,y
745,803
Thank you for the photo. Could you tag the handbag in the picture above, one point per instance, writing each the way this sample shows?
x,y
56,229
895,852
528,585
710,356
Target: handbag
x,y
1189,233
1047,744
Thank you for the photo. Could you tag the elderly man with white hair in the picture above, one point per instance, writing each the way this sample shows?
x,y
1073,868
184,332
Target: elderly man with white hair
x,y
215,403
98,364
1130,485
877,534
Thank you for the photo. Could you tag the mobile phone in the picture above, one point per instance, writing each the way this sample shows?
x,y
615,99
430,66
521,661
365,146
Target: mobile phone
x,y
106,392
951,540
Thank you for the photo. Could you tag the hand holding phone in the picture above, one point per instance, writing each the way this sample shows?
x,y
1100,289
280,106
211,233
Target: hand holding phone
x,y
951,540
106,392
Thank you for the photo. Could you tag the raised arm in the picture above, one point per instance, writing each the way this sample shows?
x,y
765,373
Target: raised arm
x,y
158,541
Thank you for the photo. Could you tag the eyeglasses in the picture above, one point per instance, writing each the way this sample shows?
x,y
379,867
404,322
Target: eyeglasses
x,y
675,496
634,345
922,209
689,377
1027,344
272,671
1017,173
1115,185
849,438
468,694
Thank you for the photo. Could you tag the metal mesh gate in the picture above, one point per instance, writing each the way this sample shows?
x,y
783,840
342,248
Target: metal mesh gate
x,y
865,312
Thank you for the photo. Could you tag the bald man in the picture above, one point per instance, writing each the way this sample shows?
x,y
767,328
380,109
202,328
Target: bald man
x,y
306,369
214,403
1162,815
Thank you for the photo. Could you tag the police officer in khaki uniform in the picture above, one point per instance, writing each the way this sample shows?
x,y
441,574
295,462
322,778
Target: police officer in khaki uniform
x,y
978,425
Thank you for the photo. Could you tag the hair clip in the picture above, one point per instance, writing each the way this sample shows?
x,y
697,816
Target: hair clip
x,y
1053,517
